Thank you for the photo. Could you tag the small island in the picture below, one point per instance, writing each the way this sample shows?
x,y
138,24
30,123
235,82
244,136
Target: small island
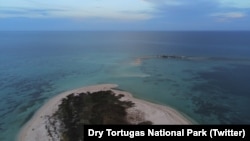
x,y
139,60
60,119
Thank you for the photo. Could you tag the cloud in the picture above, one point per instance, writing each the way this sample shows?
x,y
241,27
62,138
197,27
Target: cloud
x,y
75,14
157,14
166,2
241,4
77,9
13,12
227,16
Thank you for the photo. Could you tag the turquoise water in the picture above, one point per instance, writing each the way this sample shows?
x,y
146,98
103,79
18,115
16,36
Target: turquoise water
x,y
210,87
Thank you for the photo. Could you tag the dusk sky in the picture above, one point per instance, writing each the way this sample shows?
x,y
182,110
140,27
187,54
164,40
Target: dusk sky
x,y
124,14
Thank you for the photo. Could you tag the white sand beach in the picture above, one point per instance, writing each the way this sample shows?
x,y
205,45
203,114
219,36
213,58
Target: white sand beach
x,y
34,129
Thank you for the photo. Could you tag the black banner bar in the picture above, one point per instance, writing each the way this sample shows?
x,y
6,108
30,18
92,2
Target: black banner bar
x,y
135,132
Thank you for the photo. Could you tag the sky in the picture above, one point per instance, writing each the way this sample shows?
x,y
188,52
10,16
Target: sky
x,y
125,15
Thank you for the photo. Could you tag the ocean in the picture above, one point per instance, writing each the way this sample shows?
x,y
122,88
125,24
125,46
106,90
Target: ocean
x,y
209,84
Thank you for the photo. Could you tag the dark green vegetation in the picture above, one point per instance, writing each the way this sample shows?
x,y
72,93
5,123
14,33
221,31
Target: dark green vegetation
x,y
102,107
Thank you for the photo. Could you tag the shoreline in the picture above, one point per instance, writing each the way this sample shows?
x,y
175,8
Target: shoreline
x,y
35,128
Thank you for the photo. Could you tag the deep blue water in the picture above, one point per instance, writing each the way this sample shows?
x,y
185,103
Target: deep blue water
x,y
212,87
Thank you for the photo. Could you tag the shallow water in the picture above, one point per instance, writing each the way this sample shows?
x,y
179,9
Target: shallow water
x,y
35,66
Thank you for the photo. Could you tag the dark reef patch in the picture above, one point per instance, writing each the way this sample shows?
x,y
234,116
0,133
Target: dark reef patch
x,y
230,80
220,93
